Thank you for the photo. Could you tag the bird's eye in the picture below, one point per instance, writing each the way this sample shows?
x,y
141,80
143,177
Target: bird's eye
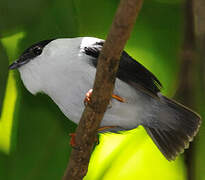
x,y
37,50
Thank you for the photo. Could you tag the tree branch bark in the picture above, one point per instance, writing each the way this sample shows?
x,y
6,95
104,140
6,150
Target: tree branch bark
x,y
103,87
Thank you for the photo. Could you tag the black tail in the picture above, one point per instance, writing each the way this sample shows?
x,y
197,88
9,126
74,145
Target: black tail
x,y
182,125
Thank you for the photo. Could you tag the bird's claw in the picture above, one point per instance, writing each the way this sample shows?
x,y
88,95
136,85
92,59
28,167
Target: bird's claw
x,y
88,97
89,93
72,142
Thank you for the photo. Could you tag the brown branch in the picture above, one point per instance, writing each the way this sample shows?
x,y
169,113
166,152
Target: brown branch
x,y
103,87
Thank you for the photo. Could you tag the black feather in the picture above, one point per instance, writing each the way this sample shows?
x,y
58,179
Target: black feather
x,y
40,44
182,125
173,126
130,71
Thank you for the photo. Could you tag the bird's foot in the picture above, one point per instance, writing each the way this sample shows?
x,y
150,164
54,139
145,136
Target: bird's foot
x,y
88,97
89,93
106,128
118,98
72,139
73,144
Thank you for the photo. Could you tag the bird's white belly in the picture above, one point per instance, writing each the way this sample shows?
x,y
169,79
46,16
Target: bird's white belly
x,y
71,94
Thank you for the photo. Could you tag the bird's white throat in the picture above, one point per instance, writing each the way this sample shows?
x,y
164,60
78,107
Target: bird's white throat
x,y
62,72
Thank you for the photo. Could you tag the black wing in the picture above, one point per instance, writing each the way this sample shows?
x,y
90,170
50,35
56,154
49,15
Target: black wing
x,y
130,71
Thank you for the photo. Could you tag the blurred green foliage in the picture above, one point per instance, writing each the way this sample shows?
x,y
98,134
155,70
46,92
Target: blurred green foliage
x,y
38,147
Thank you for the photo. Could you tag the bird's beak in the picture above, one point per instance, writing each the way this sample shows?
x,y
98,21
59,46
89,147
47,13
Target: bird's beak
x,y
16,64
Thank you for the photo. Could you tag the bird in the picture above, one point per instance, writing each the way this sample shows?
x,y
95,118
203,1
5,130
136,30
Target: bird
x,y
64,69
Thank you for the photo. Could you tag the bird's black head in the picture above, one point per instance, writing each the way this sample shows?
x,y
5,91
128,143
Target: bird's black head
x,y
30,53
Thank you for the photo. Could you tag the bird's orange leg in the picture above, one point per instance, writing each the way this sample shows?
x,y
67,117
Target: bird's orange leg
x,y
89,93
72,139
118,98
106,128
88,96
